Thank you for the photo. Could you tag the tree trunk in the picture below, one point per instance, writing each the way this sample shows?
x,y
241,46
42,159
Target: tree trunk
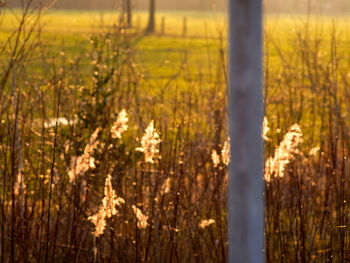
x,y
128,13
245,201
151,21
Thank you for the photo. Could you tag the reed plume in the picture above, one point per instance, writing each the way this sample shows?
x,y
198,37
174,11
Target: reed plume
x,y
206,222
99,220
110,200
120,125
107,209
265,130
81,164
215,157
225,152
149,143
284,153
141,218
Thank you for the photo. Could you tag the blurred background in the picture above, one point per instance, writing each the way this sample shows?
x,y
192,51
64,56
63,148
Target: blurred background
x,y
299,6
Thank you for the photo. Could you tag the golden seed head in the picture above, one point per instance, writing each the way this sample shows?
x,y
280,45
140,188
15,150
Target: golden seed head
x,y
215,157
99,221
141,218
226,152
265,130
120,125
149,143
206,222
284,153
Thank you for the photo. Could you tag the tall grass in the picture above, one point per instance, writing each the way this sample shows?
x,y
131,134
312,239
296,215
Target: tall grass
x,y
101,164
306,210
64,161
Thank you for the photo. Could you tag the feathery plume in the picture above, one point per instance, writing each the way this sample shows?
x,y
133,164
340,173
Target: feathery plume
x,y
141,218
107,209
81,164
265,130
314,151
149,143
215,157
110,200
225,153
120,125
284,153
99,221
206,222
165,187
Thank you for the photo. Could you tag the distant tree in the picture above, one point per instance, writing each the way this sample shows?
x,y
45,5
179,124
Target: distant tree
x,y
128,13
151,20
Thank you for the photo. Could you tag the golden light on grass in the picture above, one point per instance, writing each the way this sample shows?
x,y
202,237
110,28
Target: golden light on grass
x,y
110,200
225,153
149,143
120,125
265,130
107,209
166,186
215,157
99,220
117,82
284,153
206,222
141,218
314,151
81,164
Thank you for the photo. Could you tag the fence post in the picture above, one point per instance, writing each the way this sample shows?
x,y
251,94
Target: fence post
x,y
163,26
184,28
245,197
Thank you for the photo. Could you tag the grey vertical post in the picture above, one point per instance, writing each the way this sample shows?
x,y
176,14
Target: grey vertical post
x,y
184,26
245,203
163,26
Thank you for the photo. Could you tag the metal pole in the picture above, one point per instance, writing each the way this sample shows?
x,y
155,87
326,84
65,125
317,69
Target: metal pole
x,y
245,203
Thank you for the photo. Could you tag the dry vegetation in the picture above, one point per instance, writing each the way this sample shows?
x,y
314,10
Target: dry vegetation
x,y
98,164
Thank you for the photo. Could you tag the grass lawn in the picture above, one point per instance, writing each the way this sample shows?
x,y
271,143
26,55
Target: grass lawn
x,y
161,54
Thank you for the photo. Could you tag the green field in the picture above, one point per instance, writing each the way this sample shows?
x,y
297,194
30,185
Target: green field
x,y
160,54
171,59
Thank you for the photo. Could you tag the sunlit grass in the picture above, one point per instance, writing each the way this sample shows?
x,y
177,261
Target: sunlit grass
x,y
137,166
